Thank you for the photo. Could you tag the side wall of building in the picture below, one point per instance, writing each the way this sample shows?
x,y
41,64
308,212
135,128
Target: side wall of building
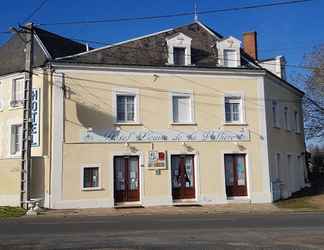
x,y
285,138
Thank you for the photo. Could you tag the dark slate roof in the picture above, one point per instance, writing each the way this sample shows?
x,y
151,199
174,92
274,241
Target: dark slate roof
x,y
152,50
59,46
12,53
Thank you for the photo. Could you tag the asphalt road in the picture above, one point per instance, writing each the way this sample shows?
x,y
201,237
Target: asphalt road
x,y
272,231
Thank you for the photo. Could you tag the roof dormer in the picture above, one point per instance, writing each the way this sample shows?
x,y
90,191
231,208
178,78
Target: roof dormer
x,y
179,49
229,52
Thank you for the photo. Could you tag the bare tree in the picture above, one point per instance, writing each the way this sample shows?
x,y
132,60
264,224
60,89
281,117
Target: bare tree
x,y
313,103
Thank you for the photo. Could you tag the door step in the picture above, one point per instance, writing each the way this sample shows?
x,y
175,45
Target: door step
x,y
238,200
184,203
126,205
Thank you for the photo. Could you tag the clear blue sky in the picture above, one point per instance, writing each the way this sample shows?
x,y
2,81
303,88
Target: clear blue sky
x,y
290,30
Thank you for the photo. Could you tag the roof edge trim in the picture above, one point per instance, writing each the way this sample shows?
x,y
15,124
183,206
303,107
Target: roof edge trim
x,y
44,49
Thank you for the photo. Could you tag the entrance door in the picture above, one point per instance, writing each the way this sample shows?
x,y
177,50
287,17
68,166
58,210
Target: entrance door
x,y
126,178
235,175
183,177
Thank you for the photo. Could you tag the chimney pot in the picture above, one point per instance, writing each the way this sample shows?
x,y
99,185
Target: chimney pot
x,y
250,44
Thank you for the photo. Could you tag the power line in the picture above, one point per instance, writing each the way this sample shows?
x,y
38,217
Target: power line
x,y
126,19
35,11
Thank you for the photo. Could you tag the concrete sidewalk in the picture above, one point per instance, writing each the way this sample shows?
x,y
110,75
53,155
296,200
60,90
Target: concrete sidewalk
x,y
167,210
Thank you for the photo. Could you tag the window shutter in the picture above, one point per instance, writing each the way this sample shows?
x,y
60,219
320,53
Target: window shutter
x,y
13,140
229,58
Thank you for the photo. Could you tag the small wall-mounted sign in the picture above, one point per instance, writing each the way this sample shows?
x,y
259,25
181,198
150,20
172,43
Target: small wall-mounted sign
x,y
156,159
35,107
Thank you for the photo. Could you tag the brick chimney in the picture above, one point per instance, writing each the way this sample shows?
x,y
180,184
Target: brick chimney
x,y
250,44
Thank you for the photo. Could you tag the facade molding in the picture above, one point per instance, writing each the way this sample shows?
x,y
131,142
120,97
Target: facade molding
x,y
264,131
220,71
57,141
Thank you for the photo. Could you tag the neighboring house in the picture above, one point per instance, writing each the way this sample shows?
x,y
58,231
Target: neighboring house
x,y
47,46
182,115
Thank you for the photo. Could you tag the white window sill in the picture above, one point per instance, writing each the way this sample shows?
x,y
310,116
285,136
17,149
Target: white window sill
x,y
128,123
93,189
15,156
235,124
15,108
183,123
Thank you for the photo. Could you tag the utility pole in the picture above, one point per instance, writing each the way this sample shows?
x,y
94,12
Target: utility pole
x,y
27,116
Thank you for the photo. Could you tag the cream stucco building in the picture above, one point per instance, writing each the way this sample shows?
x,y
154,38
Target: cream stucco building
x,y
182,115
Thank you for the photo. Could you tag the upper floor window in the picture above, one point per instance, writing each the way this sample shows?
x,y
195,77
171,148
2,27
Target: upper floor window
x,y
286,119
296,122
233,109
16,139
182,111
126,106
275,114
17,97
179,49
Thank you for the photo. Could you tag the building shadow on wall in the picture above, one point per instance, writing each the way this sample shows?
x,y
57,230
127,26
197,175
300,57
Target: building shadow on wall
x,y
94,119
38,177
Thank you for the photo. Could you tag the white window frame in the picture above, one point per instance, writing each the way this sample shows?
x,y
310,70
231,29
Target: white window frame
x,y
16,153
192,106
242,120
179,41
130,92
228,63
84,166
13,102
275,115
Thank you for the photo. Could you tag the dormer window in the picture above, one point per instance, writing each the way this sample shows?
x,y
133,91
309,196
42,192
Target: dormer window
x,y
179,49
229,52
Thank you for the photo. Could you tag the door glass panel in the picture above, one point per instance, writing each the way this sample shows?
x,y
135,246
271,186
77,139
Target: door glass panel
x,y
133,174
120,174
188,175
175,169
240,169
229,173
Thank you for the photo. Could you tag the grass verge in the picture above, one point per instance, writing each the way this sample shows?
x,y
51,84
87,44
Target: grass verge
x,y
300,203
6,212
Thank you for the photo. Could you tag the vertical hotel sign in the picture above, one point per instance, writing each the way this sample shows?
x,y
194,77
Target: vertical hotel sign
x,y
35,104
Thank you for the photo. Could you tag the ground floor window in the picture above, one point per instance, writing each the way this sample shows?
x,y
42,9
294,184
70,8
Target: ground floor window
x,y
16,139
235,175
90,177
